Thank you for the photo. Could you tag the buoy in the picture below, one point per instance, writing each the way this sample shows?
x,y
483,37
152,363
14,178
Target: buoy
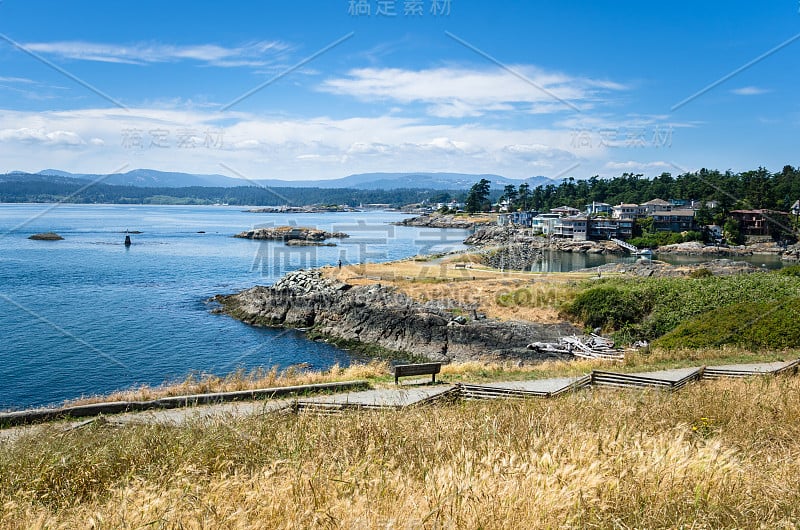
x,y
127,241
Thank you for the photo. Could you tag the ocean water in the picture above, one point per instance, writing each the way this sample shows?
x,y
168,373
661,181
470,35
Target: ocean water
x,y
87,315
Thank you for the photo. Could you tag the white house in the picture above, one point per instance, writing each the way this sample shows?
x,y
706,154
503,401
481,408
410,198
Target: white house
x,y
627,211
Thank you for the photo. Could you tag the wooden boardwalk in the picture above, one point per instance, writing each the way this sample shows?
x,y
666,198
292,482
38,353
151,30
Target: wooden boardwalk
x,y
669,380
666,379
537,388
180,409
389,398
749,370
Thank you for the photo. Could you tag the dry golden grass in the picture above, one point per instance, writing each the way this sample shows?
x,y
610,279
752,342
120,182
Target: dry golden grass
x,y
534,296
244,380
378,372
716,455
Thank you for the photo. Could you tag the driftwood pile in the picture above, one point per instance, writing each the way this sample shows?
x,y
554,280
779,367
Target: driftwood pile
x,y
591,347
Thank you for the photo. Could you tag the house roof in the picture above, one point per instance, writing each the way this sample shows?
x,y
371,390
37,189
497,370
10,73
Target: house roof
x,y
657,202
622,205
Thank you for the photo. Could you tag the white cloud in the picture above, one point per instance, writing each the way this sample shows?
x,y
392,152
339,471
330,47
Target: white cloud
x,y
22,80
199,140
632,165
462,92
41,136
750,91
252,54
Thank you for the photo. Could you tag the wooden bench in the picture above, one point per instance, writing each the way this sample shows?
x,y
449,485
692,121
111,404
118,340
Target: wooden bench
x,y
403,370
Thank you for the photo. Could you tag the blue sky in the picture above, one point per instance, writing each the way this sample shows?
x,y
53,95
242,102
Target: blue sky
x,y
323,89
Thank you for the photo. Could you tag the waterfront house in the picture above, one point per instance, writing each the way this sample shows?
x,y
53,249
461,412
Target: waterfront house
x,y
596,208
565,211
601,228
573,227
761,222
674,221
543,223
519,219
655,206
627,211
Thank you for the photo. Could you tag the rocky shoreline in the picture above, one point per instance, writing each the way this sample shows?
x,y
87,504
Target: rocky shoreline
x,y
696,248
504,249
498,235
297,234
646,268
518,249
436,220
369,316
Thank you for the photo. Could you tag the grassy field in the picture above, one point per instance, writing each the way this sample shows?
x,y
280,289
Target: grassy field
x,y
720,454
507,295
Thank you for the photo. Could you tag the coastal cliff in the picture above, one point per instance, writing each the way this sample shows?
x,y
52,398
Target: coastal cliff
x,y
374,315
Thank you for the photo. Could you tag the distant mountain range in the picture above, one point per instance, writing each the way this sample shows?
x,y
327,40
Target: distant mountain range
x,y
150,178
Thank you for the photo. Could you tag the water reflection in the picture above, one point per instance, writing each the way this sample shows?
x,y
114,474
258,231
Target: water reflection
x,y
557,261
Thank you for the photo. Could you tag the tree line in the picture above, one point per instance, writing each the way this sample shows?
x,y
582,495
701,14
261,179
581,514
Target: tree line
x,y
749,189
40,188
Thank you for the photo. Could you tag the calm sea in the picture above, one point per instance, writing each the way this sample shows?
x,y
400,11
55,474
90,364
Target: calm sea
x,y
87,315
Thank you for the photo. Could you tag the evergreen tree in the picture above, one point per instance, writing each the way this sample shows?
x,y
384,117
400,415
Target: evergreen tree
x,y
478,197
524,196
510,194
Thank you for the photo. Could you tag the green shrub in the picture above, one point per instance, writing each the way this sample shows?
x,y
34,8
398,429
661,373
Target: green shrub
x,y
765,325
608,307
650,308
700,273
659,239
791,270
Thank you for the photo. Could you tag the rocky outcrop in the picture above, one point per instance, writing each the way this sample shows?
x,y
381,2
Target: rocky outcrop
x,y
518,249
291,233
436,220
645,268
46,236
502,236
380,316
766,248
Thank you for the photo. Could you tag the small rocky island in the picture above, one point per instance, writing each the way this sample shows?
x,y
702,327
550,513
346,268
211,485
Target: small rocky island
x,y
293,235
46,236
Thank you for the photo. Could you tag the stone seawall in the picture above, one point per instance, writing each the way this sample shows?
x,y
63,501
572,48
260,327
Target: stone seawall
x,y
376,315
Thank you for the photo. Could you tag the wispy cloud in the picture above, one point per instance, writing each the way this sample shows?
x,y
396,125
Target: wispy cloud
x,y
632,165
252,54
42,136
19,80
463,92
750,91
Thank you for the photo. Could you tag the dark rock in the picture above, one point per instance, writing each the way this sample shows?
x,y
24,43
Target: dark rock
x,y
440,221
291,233
46,236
